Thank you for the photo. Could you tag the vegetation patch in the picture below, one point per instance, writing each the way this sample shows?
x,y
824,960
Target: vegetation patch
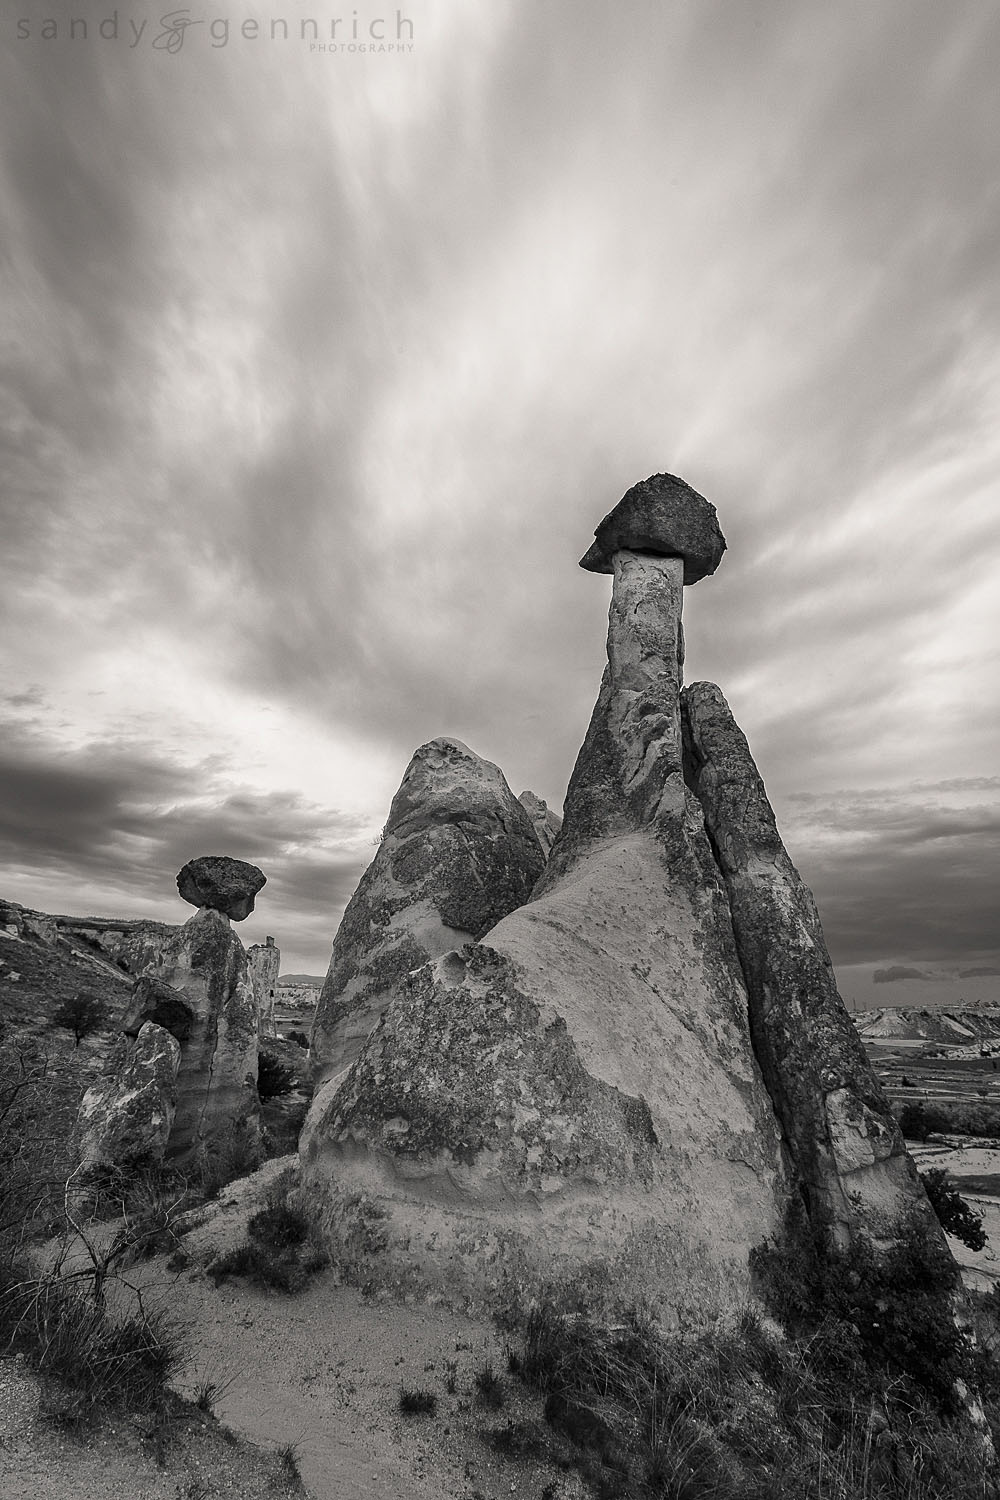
x,y
273,1078
280,1251
829,1409
949,1117
954,1214
417,1403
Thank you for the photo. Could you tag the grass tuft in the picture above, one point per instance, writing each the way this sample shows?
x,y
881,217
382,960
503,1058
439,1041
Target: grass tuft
x,y
417,1403
489,1387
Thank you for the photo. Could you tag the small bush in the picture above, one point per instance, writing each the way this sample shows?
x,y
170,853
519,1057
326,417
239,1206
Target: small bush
x,y
955,1215
258,1263
279,1227
521,1440
299,1037
273,1078
288,1458
416,1403
229,1157
85,1361
489,1387
82,1015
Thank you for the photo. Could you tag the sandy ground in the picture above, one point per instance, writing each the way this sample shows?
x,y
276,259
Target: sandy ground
x,y
324,1370
321,1370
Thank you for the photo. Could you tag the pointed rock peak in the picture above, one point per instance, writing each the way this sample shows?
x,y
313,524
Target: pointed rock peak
x,y
221,884
545,822
664,516
445,782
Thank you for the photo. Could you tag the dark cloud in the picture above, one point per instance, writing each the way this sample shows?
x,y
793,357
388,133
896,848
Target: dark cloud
x,y
897,972
984,971
899,872
124,820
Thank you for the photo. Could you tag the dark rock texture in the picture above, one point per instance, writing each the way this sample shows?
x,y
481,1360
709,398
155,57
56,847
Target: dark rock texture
x,y
844,1142
458,852
125,1119
664,516
221,884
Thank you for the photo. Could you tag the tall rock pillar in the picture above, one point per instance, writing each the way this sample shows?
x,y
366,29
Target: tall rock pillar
x,y
265,962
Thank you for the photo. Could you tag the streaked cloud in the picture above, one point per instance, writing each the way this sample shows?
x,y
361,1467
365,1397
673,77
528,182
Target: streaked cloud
x,y
320,374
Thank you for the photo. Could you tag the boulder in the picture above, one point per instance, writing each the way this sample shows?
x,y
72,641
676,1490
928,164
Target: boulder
x,y
221,884
544,821
665,517
458,852
126,1118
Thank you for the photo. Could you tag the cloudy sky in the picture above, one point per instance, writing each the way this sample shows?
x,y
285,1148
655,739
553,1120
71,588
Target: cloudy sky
x,y
321,366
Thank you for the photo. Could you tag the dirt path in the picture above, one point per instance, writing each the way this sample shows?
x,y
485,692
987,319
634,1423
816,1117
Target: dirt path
x,y
323,1370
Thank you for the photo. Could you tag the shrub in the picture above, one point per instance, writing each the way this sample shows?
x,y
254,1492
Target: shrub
x,y
279,1227
235,1154
259,1264
415,1403
83,1014
278,1252
913,1123
890,1316
955,1215
741,1412
489,1387
84,1360
33,1152
299,1037
273,1078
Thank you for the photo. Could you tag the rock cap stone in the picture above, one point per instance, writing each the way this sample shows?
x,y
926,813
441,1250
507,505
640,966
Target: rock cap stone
x,y
222,884
664,516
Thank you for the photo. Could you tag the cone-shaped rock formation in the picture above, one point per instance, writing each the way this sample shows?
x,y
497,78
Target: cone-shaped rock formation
x,y
579,1088
632,1077
458,852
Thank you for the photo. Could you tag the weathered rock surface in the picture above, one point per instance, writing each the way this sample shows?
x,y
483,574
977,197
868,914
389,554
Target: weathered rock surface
x,y
221,884
202,987
576,1095
457,854
664,516
126,1118
544,821
265,963
844,1141
135,946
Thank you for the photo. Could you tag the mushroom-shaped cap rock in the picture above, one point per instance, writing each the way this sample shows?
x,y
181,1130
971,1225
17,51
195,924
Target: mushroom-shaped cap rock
x,y
666,517
224,884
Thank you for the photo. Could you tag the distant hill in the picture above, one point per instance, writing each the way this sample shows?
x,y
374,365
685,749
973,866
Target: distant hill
x,y
313,981
909,1024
